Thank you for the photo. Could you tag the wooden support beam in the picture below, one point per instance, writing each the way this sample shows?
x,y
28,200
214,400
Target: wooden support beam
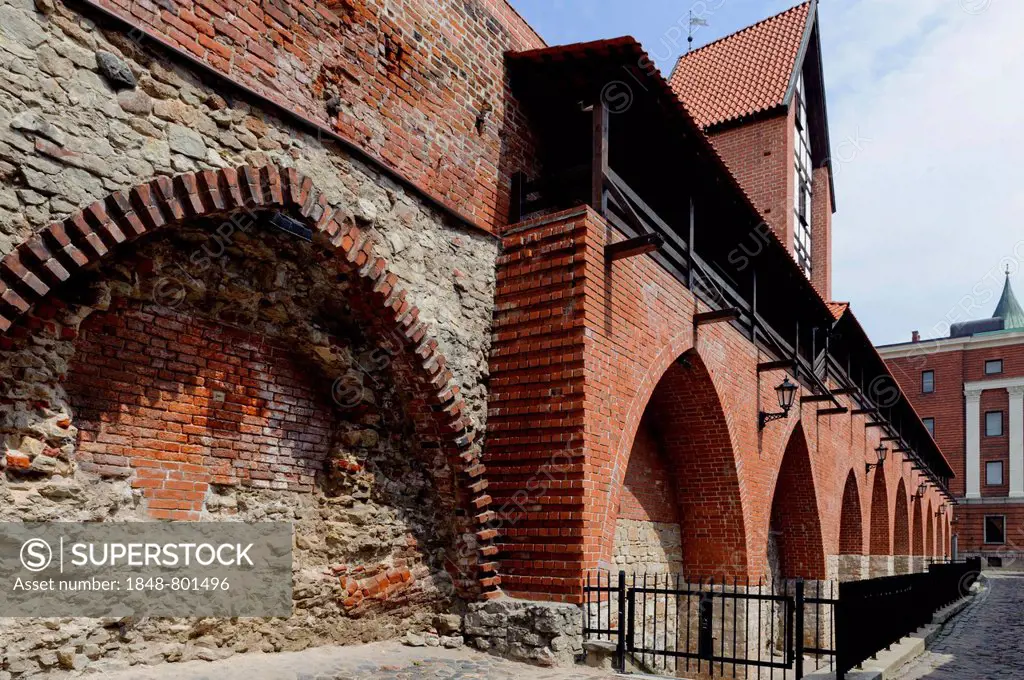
x,y
891,439
875,424
776,365
632,247
716,316
833,411
845,390
815,398
864,411
599,162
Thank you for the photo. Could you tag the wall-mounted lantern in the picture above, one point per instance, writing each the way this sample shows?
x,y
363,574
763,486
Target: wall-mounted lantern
x,y
922,488
786,392
941,511
881,452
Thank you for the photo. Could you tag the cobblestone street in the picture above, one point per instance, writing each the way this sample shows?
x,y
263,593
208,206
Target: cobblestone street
x,y
983,642
382,661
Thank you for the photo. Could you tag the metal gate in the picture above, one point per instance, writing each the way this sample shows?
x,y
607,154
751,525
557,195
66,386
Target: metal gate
x,y
661,624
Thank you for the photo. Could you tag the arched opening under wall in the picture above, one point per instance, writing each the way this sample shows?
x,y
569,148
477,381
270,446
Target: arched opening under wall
x,y
929,537
918,511
795,546
238,364
679,509
881,540
851,533
901,531
648,534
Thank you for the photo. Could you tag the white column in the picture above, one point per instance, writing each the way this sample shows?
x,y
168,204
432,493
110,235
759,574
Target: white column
x,y
1016,441
973,431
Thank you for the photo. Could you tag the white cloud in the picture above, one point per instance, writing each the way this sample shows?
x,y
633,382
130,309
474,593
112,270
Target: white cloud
x,y
930,198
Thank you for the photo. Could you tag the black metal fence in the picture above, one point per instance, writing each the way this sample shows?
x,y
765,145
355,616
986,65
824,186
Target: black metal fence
x,y
873,615
661,624
712,628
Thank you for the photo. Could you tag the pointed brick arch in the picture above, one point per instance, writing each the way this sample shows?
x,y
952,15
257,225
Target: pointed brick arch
x,y
929,523
851,527
881,539
901,522
917,511
687,417
795,517
56,255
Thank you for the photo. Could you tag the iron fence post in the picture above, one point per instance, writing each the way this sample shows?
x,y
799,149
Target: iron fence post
x,y
798,630
620,649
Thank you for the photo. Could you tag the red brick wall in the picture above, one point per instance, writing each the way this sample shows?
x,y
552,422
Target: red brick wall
x,y
901,523
995,448
851,532
581,351
648,493
178,403
881,533
970,527
821,233
918,537
761,156
945,405
952,369
795,515
413,78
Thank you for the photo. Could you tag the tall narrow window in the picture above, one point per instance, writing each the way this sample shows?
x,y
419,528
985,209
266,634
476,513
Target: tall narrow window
x,y
994,424
804,178
929,424
927,381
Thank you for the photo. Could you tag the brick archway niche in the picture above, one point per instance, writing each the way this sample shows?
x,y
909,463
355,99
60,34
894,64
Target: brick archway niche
x,y
679,510
929,536
795,546
852,561
902,563
226,344
917,510
881,537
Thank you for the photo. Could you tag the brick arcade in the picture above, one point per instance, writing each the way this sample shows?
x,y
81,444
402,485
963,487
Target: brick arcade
x,y
346,307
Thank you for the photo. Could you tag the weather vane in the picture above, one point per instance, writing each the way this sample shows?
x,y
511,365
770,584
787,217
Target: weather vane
x,y
694,21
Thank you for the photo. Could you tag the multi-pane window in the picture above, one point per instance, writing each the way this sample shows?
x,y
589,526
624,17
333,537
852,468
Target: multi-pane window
x,y
994,424
993,366
994,473
929,424
804,177
927,381
995,529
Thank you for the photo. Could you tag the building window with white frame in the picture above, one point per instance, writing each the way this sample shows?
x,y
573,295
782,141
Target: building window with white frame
x,y
993,366
929,424
995,529
804,181
994,473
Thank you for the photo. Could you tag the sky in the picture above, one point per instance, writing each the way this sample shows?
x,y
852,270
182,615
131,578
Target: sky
x,y
926,116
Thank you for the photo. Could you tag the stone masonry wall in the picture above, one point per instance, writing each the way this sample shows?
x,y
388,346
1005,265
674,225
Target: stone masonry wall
x,y
104,412
67,138
217,405
419,84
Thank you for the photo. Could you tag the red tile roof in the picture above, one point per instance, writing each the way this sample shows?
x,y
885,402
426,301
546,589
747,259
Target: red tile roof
x,y
838,309
745,73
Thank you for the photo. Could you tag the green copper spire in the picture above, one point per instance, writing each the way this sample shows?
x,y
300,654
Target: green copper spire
x,y
1008,308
